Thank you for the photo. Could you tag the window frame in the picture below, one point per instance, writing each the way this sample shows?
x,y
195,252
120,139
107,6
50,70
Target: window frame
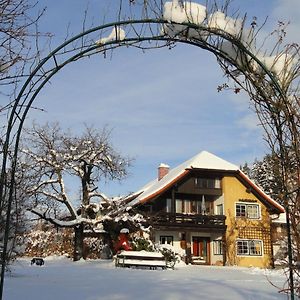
x,y
248,252
221,205
244,213
168,205
187,207
208,183
218,247
166,237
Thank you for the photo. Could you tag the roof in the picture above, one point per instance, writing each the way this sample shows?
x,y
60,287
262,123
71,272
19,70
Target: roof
x,y
204,161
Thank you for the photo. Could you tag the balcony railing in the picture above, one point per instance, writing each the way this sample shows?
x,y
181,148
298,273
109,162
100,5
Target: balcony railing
x,y
187,220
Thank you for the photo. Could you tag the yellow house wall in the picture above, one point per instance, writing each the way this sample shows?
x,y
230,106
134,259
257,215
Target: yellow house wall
x,y
237,227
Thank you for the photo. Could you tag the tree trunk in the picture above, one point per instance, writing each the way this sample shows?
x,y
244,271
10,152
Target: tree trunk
x,y
78,242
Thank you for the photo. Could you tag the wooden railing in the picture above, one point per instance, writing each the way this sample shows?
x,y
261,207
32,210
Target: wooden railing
x,y
187,220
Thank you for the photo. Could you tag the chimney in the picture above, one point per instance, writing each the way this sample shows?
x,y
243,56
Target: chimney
x,y
163,170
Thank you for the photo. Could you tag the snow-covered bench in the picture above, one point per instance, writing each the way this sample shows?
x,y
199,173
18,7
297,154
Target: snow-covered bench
x,y
151,260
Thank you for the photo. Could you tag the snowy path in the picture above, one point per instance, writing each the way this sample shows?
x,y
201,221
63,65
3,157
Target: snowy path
x,y
94,280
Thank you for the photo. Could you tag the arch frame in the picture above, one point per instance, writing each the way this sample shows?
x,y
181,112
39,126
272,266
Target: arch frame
x,y
67,53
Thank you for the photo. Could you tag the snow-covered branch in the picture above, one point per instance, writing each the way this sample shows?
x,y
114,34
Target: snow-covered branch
x,y
64,223
41,184
99,195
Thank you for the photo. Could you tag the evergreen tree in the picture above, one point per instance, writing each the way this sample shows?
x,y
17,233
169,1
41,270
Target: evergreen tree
x,y
266,174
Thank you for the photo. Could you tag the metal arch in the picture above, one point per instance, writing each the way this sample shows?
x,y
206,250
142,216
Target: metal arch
x,y
56,60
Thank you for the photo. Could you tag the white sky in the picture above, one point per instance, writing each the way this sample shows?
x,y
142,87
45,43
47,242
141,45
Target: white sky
x,y
163,105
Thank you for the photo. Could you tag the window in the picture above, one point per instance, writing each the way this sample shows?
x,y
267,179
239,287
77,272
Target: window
x,y
179,206
240,210
218,249
253,211
189,207
208,183
249,247
193,207
219,209
242,248
168,205
250,211
166,239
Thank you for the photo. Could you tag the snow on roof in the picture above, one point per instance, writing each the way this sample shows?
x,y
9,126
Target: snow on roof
x,y
203,160
162,165
281,219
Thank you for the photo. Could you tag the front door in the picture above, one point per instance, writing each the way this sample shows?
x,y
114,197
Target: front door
x,y
201,250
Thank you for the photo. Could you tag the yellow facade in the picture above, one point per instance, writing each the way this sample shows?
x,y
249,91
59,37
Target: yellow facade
x,y
243,228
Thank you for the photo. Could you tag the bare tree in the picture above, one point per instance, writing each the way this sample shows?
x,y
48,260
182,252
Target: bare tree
x,y
19,50
18,36
53,157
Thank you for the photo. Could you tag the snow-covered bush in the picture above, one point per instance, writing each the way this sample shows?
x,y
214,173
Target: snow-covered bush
x,y
92,248
171,255
141,243
49,241
46,240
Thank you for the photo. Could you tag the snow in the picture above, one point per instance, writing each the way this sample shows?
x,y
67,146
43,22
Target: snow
x,y
281,219
218,20
117,34
141,262
281,65
162,165
142,253
62,279
188,12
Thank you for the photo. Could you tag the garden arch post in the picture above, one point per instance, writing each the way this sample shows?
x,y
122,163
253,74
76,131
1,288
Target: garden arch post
x,y
136,33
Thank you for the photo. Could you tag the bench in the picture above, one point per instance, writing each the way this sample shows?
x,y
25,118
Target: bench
x,y
151,260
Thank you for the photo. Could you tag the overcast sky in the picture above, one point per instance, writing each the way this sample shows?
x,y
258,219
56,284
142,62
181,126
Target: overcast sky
x,y
162,105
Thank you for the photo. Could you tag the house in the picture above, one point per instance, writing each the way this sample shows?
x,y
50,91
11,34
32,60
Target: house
x,y
209,209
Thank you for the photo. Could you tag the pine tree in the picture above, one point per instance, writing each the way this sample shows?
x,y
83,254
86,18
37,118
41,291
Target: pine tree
x,y
266,175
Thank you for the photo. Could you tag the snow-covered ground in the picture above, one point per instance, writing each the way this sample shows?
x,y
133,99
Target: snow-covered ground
x,y
62,279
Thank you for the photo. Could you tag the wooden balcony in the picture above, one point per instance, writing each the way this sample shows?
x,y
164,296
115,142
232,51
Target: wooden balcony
x,y
171,221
